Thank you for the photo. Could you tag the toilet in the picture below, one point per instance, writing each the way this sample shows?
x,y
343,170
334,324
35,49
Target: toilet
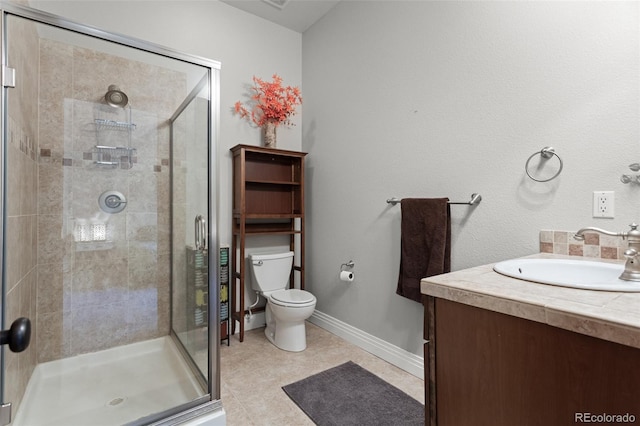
x,y
287,309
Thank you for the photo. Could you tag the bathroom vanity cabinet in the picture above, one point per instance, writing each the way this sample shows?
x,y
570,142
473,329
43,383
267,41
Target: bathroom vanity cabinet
x,y
528,356
268,199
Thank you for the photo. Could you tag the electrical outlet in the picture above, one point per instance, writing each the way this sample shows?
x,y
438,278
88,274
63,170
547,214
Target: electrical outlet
x,y
603,202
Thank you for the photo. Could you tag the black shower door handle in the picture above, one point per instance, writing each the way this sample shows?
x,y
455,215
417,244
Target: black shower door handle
x,y
18,336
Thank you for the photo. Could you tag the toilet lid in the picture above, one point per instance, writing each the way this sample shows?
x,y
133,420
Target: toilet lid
x,y
292,296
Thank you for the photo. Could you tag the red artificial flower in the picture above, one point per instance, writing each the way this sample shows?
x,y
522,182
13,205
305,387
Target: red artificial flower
x,y
272,102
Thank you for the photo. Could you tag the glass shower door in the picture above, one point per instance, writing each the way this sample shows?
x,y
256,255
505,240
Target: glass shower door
x,y
90,224
190,247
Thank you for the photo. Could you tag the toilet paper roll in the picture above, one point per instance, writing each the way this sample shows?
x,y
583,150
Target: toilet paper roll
x,y
346,276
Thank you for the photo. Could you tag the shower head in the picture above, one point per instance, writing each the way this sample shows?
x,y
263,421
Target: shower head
x,y
115,97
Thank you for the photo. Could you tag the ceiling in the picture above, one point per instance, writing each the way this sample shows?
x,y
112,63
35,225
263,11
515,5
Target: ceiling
x,y
297,15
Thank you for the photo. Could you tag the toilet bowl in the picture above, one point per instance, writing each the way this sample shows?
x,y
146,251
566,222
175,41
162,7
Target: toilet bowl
x,y
287,309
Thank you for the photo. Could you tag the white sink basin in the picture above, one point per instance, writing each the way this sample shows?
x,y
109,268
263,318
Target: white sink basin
x,y
568,273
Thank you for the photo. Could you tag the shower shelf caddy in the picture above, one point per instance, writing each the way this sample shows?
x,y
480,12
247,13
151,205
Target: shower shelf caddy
x,y
114,155
102,124
268,199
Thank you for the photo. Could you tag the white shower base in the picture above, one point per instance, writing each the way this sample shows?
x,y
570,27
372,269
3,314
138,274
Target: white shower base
x,y
110,387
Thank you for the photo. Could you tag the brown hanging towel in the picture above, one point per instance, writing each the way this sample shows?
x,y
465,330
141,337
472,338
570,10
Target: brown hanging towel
x,y
425,243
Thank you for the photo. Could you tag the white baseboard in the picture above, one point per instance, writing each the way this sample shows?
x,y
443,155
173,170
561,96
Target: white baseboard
x,y
405,360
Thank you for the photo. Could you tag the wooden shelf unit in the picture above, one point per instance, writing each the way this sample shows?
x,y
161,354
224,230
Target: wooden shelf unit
x,y
268,199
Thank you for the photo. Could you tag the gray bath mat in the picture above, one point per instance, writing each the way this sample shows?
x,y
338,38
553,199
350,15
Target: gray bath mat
x,y
350,395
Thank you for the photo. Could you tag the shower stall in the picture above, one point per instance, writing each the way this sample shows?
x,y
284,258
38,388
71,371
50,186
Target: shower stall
x,y
110,305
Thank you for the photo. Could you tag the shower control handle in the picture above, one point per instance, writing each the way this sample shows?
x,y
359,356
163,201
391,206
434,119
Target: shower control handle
x,y
18,336
114,201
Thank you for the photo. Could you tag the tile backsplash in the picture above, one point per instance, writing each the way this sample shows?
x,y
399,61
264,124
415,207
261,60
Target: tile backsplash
x,y
595,245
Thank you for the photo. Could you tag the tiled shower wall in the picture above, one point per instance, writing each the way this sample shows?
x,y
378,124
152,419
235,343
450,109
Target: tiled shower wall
x,y
21,203
110,291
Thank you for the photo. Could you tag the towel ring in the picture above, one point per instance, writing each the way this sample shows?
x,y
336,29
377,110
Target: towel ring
x,y
546,153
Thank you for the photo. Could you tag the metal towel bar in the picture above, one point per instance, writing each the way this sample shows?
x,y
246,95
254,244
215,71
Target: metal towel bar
x,y
475,200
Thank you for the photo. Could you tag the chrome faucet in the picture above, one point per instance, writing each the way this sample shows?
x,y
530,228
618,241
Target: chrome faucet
x,y
631,254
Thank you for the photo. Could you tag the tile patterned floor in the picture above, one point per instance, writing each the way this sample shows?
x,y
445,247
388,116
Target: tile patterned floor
x,y
254,371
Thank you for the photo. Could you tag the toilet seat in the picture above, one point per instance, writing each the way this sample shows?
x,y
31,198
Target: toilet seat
x,y
292,298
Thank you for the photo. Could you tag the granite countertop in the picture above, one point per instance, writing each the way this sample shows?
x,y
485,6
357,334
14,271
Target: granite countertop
x,y
613,316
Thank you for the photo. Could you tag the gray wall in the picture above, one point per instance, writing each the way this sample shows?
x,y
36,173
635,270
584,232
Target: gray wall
x,y
433,99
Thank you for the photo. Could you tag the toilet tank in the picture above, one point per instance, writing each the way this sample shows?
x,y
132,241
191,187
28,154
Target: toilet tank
x,y
270,271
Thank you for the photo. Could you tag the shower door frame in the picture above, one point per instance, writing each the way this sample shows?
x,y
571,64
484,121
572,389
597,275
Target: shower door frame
x,y
191,97
210,402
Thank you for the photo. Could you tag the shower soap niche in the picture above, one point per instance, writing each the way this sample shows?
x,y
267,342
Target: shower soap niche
x,y
85,231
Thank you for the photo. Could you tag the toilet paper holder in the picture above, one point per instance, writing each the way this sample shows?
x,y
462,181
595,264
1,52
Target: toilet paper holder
x,y
345,272
350,264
